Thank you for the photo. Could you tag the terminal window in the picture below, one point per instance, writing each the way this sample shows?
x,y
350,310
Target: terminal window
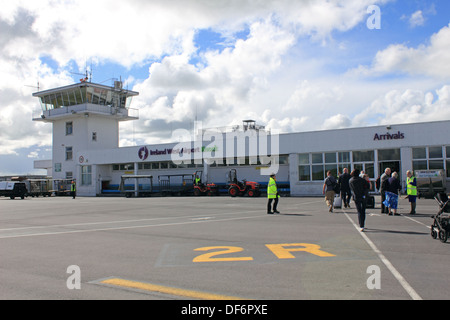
x,y
314,166
69,128
86,175
428,158
69,153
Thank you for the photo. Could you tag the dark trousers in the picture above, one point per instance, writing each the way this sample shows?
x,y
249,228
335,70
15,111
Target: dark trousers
x,y
383,207
346,195
269,205
361,208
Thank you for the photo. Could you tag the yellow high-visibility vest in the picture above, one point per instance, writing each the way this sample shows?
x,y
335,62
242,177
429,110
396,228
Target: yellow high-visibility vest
x,y
410,189
272,189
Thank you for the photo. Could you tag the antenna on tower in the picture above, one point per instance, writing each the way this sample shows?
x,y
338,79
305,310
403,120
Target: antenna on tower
x,y
37,86
87,75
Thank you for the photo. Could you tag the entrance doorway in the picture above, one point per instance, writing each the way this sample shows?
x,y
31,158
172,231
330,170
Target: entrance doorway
x,y
394,165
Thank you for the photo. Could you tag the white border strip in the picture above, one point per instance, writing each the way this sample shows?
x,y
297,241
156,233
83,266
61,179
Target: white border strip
x,y
412,293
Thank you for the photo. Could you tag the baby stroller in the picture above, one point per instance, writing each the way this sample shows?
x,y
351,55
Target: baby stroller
x,y
441,223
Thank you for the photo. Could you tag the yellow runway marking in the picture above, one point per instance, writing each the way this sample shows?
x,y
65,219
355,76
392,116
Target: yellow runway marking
x,y
166,290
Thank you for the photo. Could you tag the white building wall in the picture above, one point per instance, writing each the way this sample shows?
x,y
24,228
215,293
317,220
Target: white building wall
x,y
354,139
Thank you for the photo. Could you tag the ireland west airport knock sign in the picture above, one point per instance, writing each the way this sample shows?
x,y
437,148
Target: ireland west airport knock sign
x,y
144,152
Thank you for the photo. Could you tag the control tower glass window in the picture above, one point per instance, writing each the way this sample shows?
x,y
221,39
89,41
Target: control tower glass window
x,y
93,94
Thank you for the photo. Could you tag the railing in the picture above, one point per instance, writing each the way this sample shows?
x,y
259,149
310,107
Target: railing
x,y
86,108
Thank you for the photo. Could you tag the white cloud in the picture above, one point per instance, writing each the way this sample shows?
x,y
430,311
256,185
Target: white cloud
x,y
130,32
219,91
408,106
337,122
431,60
417,19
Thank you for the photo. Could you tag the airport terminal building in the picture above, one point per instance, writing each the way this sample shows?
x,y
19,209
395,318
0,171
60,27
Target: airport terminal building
x,y
86,116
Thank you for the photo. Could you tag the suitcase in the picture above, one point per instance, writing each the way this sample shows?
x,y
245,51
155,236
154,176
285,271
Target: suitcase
x,y
370,202
337,202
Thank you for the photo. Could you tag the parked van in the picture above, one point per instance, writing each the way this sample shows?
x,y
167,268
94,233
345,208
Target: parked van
x,y
13,189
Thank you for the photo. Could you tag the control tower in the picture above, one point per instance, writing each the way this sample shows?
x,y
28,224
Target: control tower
x,y
85,116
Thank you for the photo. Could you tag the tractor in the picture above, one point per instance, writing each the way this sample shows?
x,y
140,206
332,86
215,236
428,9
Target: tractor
x,y
242,188
201,189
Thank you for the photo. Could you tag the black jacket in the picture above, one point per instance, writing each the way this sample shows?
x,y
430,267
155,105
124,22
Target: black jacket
x,y
359,187
344,180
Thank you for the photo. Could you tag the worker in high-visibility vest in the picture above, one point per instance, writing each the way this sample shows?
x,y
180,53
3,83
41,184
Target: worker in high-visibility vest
x,y
73,189
411,190
272,194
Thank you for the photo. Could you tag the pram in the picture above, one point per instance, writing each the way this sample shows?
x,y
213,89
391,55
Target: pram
x,y
441,221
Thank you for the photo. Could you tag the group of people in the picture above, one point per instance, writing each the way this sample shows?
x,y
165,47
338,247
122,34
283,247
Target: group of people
x,y
390,188
357,185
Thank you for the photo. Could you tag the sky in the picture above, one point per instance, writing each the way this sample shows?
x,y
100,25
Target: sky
x,y
291,65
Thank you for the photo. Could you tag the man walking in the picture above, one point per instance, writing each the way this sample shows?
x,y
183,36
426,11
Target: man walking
x,y
359,187
328,190
346,193
272,195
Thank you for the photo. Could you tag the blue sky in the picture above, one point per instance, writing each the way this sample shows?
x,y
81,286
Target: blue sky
x,y
290,65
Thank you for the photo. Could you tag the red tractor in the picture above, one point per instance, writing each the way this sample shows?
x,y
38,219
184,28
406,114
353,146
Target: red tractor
x,y
238,188
201,189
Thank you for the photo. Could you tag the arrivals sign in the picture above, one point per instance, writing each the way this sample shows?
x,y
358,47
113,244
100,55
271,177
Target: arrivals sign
x,y
388,136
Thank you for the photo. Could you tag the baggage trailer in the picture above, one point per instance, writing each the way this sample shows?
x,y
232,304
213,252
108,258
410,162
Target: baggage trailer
x,y
62,187
39,187
176,184
140,186
430,183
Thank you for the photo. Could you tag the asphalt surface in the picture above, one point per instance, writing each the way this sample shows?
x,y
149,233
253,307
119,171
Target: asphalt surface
x,y
216,247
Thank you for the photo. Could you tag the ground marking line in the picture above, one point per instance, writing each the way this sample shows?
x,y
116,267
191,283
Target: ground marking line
x,y
412,293
124,228
122,221
166,290
423,224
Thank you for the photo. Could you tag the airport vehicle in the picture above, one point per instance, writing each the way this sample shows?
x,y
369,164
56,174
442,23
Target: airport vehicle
x,y
13,189
242,188
201,189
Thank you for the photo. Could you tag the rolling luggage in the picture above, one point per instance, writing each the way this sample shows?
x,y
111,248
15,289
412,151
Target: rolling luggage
x,y
370,203
337,202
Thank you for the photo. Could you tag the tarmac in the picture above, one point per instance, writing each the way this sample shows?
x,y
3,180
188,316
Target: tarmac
x,y
207,248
